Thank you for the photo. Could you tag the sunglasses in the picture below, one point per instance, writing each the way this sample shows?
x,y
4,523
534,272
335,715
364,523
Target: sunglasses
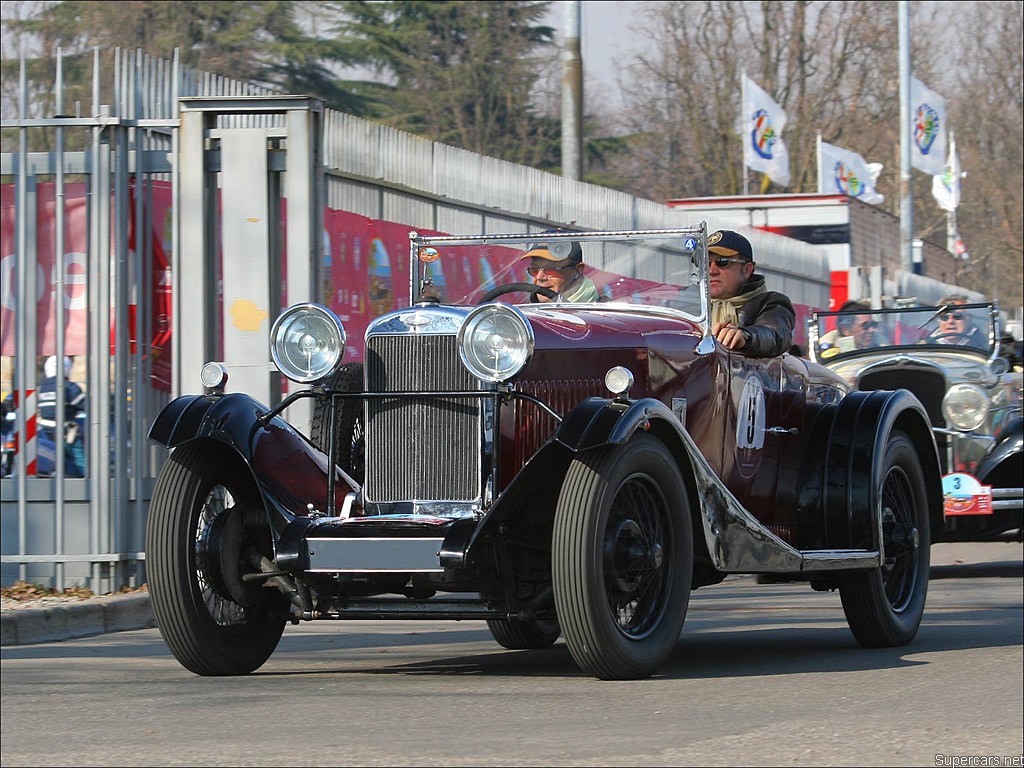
x,y
723,262
869,325
534,271
951,316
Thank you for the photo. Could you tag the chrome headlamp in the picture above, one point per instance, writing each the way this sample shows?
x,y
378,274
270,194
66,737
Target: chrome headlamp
x,y
966,406
307,342
495,342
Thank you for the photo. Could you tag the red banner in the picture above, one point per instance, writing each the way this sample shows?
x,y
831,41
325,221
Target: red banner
x,y
365,269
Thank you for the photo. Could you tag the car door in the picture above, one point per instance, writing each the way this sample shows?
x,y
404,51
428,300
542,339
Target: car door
x,y
762,437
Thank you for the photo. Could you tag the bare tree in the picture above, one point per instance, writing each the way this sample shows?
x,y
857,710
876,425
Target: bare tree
x,y
988,113
820,61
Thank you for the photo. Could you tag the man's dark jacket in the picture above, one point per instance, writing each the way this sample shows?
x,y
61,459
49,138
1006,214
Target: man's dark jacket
x,y
766,319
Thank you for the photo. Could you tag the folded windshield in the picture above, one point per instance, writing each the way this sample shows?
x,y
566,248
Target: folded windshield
x,y
965,326
661,271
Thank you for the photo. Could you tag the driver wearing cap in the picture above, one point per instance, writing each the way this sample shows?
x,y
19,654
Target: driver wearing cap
x,y
559,266
745,316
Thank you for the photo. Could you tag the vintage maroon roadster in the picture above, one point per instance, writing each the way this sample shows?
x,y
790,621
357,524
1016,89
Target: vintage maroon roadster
x,y
549,467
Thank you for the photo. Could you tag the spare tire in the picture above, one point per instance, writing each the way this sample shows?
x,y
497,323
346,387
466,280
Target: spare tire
x,y
349,452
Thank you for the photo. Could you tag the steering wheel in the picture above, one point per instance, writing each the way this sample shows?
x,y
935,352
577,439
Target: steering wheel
x,y
534,290
963,337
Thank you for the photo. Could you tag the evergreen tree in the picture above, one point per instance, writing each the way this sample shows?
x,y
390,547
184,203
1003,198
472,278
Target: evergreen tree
x,y
463,73
258,41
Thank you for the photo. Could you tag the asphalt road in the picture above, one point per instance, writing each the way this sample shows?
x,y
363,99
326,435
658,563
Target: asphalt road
x,y
762,675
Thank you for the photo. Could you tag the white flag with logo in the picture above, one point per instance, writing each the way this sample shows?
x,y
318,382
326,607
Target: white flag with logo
x,y
845,172
946,186
927,128
762,121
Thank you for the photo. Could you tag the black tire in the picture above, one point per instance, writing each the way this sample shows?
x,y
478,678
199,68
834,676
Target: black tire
x,y
208,633
349,452
524,635
622,558
884,606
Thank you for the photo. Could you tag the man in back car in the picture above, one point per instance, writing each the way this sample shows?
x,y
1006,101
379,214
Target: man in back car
x,y
955,325
745,316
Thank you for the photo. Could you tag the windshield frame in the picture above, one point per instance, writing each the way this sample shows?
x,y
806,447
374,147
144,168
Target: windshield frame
x,y
992,323
700,254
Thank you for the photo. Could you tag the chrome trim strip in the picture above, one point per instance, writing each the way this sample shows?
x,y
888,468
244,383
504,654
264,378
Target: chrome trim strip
x,y
624,234
958,433
1008,493
1007,504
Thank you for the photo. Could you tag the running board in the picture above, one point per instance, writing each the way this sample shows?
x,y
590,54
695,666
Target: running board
x,y
838,559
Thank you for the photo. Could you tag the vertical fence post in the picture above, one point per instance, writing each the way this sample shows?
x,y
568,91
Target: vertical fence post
x,y
58,271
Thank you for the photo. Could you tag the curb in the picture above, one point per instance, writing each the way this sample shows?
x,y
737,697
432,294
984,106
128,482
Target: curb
x,y
64,622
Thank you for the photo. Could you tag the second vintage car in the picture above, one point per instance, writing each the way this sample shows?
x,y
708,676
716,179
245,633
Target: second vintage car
x,y
948,356
577,468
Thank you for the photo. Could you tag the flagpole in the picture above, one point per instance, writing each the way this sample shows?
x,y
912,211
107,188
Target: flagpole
x,y
906,188
821,185
951,237
743,131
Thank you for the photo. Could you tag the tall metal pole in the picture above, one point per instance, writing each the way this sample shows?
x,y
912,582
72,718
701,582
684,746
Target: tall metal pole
x,y
954,170
906,189
743,132
572,94
821,178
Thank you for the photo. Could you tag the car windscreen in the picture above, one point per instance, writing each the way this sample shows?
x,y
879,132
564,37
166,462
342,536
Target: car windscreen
x,y
652,271
965,326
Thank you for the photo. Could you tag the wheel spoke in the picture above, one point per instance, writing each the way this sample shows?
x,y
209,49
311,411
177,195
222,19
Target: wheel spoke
x,y
223,611
636,585
898,539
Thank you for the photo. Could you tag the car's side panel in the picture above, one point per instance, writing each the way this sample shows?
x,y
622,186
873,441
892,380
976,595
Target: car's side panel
x,y
763,437
793,401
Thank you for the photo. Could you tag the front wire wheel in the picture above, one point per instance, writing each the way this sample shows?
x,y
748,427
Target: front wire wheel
x,y
191,522
884,606
622,558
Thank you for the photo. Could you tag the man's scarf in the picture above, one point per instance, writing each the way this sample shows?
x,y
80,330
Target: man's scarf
x,y
727,310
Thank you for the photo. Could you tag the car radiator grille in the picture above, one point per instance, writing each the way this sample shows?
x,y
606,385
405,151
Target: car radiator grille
x,y
425,449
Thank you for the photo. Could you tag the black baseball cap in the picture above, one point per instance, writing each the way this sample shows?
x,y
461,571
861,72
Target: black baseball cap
x,y
725,242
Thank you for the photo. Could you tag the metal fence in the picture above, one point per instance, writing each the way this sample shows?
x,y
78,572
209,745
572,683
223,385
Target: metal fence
x,y
95,303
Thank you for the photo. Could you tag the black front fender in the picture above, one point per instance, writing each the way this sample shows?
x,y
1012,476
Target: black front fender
x,y
596,422
290,472
1001,467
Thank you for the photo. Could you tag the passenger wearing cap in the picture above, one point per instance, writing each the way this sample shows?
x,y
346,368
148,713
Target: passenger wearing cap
x,y
559,266
745,316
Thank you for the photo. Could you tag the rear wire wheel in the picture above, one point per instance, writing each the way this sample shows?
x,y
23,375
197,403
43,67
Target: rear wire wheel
x,y
208,631
622,558
522,635
884,606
